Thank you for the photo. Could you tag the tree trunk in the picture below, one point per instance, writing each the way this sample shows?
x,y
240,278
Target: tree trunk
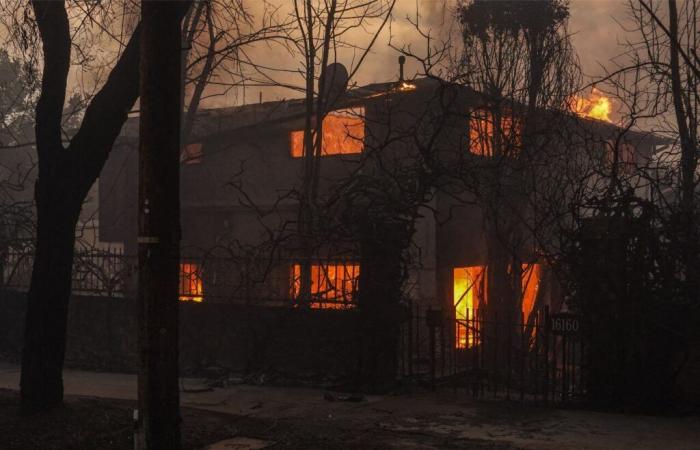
x,y
47,301
380,292
689,162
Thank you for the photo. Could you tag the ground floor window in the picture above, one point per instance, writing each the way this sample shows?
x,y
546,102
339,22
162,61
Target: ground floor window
x,y
470,294
530,284
333,285
191,287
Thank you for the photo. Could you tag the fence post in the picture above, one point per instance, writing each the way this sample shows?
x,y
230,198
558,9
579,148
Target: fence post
x,y
417,324
523,354
495,345
409,338
546,354
509,353
431,330
563,369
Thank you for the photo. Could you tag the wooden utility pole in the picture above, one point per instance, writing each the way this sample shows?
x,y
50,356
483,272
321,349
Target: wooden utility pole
x,y
159,224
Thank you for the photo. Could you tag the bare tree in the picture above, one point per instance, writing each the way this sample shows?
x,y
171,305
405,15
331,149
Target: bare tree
x,y
66,171
518,56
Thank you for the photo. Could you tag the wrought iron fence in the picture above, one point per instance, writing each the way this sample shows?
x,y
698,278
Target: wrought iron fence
x,y
259,281
538,358
101,272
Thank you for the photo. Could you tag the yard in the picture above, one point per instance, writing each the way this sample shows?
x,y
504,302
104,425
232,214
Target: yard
x,y
99,408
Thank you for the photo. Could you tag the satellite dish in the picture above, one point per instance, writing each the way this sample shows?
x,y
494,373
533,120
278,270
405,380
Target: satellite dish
x,y
335,80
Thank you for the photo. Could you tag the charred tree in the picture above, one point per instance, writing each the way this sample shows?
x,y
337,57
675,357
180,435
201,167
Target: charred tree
x,y
687,132
65,175
382,246
517,54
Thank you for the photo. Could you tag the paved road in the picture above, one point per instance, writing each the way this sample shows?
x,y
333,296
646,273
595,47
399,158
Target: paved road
x,y
444,415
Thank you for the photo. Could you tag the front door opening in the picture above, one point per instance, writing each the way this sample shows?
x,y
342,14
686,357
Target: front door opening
x,y
468,294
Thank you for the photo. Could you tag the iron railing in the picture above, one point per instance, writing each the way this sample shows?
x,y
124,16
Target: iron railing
x,y
494,355
260,281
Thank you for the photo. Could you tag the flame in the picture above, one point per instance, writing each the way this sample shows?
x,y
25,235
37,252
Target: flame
x,y
530,286
468,295
336,283
343,134
481,133
406,86
596,106
191,283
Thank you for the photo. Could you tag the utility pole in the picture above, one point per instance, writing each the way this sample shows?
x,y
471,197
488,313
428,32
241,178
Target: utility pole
x,y
159,224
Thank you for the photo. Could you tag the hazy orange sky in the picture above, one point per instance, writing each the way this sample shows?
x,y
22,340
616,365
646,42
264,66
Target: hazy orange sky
x,y
595,34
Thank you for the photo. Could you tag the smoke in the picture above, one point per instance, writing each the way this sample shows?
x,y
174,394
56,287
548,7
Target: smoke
x,y
595,35
592,24
595,26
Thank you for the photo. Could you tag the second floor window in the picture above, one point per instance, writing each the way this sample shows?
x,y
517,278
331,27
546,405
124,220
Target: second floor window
x,y
484,140
343,134
625,154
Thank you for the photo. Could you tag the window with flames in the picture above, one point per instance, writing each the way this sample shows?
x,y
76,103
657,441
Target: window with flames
x,y
469,294
484,140
191,286
343,134
333,285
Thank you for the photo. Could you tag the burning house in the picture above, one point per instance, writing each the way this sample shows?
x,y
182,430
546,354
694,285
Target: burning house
x,y
434,146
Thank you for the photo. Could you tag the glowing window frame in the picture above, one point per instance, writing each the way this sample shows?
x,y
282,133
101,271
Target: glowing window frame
x,y
353,142
191,285
327,291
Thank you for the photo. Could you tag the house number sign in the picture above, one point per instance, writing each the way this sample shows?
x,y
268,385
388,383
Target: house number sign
x,y
564,324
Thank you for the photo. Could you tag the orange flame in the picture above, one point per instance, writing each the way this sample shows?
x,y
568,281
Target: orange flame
x,y
191,283
596,106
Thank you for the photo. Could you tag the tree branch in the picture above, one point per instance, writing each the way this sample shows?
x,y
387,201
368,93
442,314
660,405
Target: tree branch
x,y
52,21
107,112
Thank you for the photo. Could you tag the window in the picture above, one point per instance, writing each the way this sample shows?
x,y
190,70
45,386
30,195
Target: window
x,y
469,293
191,153
482,138
530,283
333,285
191,283
343,134
625,155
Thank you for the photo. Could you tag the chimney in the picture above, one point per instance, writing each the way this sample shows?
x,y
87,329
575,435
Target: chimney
x,y
402,61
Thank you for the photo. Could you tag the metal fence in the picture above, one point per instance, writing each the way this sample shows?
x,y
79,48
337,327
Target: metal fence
x,y
540,358
101,272
259,281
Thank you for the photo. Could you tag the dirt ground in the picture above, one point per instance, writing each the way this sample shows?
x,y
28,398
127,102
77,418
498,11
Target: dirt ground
x,y
91,423
99,409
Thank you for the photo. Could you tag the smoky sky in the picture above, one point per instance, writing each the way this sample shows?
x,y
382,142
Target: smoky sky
x,y
595,27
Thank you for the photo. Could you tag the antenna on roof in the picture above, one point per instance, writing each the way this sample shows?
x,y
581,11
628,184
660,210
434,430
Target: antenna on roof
x,y
402,61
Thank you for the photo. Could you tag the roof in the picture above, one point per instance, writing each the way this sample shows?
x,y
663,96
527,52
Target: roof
x,y
212,121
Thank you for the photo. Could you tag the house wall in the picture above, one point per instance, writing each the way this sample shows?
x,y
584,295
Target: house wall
x,y
241,188
253,166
